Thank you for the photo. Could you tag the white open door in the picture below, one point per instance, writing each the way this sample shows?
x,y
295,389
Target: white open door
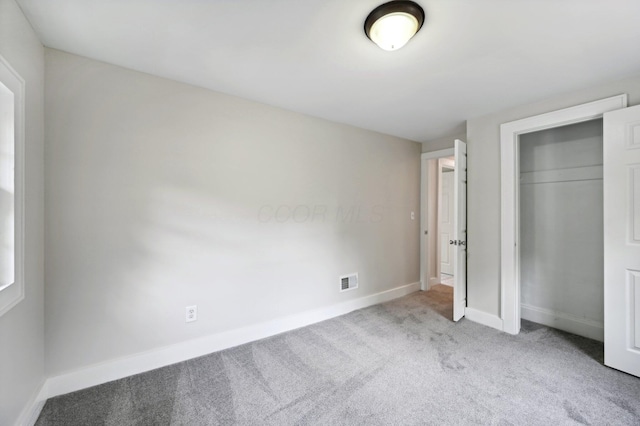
x,y
459,240
621,172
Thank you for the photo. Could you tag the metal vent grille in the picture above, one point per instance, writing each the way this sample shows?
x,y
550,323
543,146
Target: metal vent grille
x,y
349,282
344,284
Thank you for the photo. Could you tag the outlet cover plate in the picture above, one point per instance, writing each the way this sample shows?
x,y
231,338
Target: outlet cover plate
x,y
191,313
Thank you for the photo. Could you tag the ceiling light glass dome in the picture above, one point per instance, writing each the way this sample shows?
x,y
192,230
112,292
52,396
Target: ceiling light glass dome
x,y
392,24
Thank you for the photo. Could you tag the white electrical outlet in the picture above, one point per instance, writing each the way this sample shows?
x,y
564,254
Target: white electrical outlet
x,y
413,216
191,313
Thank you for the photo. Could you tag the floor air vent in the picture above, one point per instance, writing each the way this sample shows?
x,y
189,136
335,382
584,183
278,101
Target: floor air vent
x,y
348,282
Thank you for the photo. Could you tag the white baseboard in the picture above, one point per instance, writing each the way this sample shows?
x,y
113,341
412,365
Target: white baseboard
x,y
563,321
433,281
139,363
32,409
483,318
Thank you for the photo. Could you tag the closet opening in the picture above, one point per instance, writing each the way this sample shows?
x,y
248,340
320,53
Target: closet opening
x,y
560,227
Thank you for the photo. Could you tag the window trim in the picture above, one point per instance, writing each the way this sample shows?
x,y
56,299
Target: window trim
x,y
14,293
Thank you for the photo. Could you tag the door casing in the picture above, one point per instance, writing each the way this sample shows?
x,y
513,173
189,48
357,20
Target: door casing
x,y
510,201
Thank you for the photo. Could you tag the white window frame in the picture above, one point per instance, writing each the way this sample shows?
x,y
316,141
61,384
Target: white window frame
x,y
12,293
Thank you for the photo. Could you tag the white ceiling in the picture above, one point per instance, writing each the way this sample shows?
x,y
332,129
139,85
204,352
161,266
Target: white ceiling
x,y
470,58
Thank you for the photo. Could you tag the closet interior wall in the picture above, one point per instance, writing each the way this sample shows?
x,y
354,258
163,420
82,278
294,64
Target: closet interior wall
x,y
561,227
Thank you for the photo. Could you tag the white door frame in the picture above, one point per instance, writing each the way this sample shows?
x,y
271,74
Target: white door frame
x,y
426,267
510,201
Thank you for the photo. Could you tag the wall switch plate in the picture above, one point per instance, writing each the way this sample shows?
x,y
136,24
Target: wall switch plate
x,y
191,313
413,216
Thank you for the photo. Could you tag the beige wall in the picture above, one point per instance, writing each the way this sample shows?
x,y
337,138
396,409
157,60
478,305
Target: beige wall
x,y
483,196
22,328
445,142
161,195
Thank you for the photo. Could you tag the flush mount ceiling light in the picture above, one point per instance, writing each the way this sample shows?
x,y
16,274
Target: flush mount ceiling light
x,y
391,25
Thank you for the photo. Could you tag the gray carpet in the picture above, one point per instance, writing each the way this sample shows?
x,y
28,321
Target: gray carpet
x,y
399,363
